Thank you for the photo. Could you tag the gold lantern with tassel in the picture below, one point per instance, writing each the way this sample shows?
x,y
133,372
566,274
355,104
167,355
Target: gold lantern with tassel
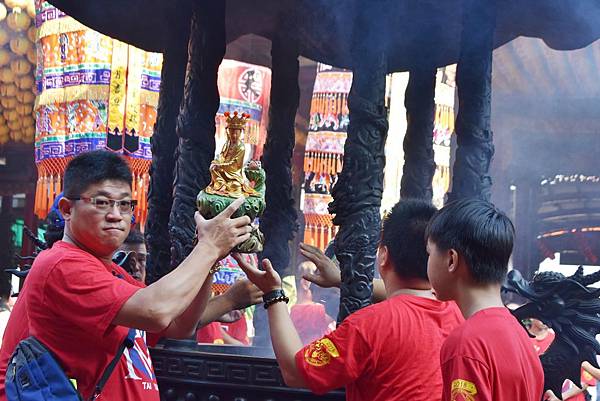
x,y
20,4
6,75
18,21
31,55
32,34
25,82
30,8
4,57
20,45
20,66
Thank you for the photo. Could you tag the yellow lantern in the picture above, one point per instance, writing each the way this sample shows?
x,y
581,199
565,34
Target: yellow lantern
x,y
4,36
4,130
20,45
12,115
32,55
8,102
24,110
25,82
3,12
30,7
4,57
20,66
17,135
14,125
6,75
4,139
16,3
28,122
32,33
11,90
28,97
18,21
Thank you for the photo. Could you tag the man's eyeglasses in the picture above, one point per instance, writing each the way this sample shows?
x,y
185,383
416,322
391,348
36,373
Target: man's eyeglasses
x,y
102,204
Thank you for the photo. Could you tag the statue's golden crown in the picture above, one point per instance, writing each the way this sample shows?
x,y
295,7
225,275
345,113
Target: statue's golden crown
x,y
236,121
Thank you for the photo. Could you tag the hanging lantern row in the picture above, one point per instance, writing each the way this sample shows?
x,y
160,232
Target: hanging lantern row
x,y
17,61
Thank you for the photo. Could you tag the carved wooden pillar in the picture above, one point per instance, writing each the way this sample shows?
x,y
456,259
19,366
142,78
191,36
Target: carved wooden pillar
x,y
164,143
419,163
474,80
196,122
278,222
357,194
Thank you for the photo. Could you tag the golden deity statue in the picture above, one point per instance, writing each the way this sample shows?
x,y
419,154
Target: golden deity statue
x,y
226,171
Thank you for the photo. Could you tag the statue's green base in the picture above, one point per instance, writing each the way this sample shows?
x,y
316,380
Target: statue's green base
x,y
210,205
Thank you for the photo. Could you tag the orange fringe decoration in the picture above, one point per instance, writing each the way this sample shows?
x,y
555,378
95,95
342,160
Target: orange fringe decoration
x,y
49,185
319,230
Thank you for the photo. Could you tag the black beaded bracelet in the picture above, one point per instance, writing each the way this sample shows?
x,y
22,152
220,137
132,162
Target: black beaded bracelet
x,y
273,297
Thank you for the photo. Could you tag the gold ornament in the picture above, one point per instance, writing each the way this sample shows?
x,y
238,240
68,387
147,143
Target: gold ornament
x,y
18,21
16,4
20,45
32,34
4,57
20,66
29,122
32,55
30,8
25,82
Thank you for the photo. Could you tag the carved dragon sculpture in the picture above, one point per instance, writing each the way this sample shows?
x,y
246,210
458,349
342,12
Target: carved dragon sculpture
x,y
572,309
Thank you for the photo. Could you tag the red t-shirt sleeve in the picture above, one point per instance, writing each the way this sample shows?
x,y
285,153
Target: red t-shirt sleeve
x,y
335,360
466,379
89,295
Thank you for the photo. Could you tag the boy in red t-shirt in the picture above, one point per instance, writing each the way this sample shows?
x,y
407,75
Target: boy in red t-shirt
x,y
80,304
490,356
387,351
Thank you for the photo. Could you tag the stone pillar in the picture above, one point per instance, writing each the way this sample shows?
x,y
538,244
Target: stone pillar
x,y
357,194
196,122
164,144
419,163
474,80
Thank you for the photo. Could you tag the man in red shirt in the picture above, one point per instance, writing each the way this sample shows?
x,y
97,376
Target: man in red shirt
x,y
387,351
490,356
80,304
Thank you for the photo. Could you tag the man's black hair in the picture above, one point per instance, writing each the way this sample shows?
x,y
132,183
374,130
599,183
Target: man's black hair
x,y
92,168
403,234
135,237
480,233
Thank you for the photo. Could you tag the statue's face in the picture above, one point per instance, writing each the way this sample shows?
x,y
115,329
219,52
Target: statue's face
x,y
235,133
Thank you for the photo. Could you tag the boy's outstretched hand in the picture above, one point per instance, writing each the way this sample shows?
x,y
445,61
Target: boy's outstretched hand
x,y
266,280
329,272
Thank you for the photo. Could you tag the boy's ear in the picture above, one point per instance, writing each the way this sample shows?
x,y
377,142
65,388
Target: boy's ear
x,y
384,258
453,260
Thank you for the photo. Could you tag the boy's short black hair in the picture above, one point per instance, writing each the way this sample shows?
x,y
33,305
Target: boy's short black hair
x,y
480,233
92,168
135,237
55,229
403,234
